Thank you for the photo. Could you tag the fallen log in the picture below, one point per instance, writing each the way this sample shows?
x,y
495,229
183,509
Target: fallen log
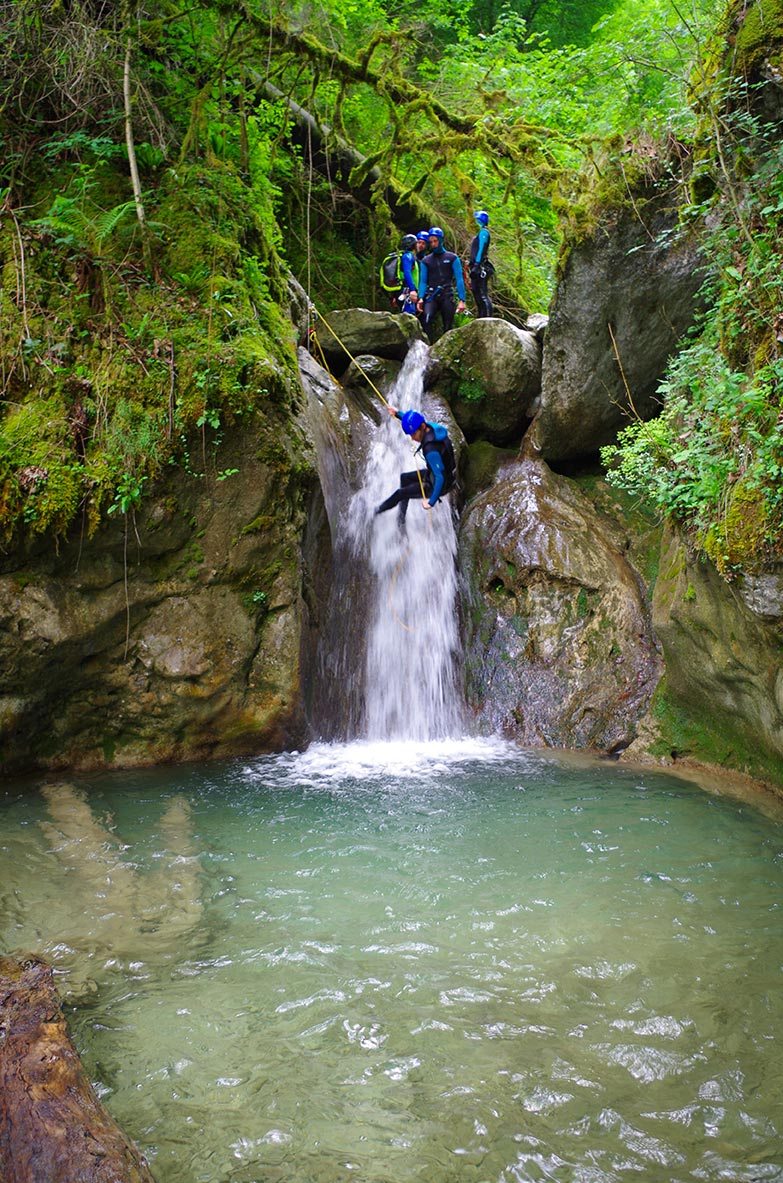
x,y
53,1128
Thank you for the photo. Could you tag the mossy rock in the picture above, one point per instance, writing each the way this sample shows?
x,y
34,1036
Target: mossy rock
x,y
739,541
760,35
489,372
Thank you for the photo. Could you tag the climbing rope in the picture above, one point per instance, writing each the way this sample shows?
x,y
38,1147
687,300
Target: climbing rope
x,y
367,377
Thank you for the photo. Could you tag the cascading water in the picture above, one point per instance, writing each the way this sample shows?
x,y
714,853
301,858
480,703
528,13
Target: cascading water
x,y
411,685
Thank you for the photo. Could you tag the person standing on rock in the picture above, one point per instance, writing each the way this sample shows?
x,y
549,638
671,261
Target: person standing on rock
x,y
440,272
410,275
479,267
432,482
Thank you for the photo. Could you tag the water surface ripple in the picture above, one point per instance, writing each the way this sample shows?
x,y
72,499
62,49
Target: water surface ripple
x,y
400,962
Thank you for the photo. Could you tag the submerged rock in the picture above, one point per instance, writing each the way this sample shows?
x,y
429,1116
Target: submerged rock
x,y
490,375
559,646
53,1125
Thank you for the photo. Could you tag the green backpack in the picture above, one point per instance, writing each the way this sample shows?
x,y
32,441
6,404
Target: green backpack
x,y
390,272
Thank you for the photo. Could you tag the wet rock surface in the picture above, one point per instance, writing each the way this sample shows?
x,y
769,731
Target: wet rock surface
x,y
350,332
724,662
559,644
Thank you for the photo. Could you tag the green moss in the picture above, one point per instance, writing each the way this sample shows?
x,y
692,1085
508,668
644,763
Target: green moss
x,y
23,578
621,174
684,734
109,374
471,389
263,524
739,540
761,28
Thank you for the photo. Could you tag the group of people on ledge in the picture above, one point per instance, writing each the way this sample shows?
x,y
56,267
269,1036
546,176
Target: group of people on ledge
x,y
432,276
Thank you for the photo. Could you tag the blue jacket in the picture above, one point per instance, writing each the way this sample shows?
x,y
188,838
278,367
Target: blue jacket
x,y
479,248
410,268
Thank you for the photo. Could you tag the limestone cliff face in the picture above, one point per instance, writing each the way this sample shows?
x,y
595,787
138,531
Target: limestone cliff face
x,y
174,633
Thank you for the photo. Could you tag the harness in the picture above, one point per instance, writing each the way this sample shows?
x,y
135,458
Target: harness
x,y
445,450
440,273
480,269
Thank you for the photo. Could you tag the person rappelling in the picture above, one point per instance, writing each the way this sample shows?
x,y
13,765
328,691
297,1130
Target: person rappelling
x,y
430,483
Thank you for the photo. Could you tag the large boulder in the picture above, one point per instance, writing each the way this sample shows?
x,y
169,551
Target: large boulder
x,y
559,648
722,698
350,332
635,277
489,372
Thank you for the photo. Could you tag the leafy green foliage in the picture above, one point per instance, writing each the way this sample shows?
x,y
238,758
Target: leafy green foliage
x,y
714,459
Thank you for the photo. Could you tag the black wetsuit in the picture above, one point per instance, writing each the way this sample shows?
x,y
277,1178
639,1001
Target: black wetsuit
x,y
439,271
479,270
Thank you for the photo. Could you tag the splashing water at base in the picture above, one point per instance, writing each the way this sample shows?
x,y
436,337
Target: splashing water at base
x,y
412,643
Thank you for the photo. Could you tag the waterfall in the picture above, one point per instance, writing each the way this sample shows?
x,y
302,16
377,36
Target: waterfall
x,y
410,675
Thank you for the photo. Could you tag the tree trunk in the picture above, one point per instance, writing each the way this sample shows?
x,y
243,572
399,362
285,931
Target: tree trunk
x,y
132,163
53,1128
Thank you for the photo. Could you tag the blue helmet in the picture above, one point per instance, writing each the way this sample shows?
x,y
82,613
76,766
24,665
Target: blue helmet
x,y
423,235
411,421
435,232
482,217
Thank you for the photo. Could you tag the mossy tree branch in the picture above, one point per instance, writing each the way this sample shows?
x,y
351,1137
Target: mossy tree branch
x,y
514,142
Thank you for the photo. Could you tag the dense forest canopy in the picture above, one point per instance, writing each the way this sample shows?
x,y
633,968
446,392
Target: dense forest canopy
x,y
164,167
